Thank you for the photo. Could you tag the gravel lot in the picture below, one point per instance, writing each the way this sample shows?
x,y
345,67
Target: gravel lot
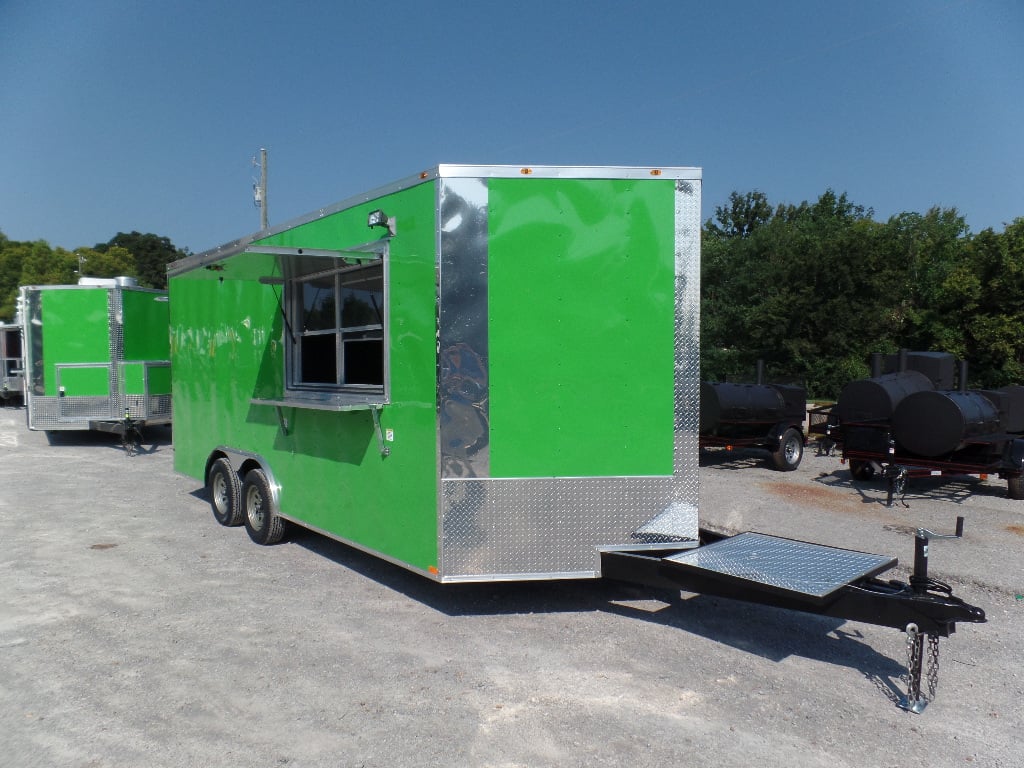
x,y
135,631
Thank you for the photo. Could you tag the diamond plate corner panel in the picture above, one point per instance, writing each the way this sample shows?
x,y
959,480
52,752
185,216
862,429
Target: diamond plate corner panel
x,y
539,527
687,342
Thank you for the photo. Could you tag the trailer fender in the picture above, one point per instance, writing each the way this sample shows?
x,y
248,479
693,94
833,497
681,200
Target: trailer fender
x,y
244,462
776,433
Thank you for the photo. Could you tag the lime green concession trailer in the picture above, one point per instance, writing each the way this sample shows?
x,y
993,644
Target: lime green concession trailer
x,y
96,354
491,373
480,372
12,364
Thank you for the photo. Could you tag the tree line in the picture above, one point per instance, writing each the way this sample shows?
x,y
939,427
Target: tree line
x,y
132,254
813,289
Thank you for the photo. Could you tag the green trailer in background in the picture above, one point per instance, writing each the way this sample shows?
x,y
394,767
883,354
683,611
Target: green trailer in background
x,y
487,373
96,356
12,364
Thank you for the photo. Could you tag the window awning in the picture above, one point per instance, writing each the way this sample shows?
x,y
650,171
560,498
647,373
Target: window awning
x,y
294,262
270,264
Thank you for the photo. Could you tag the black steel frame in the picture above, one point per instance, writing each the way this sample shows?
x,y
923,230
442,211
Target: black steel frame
x,y
924,602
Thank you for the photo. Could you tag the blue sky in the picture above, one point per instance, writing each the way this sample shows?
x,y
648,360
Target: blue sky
x,y
121,115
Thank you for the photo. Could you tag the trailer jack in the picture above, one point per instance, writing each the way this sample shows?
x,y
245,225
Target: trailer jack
x,y
128,428
811,578
131,435
915,701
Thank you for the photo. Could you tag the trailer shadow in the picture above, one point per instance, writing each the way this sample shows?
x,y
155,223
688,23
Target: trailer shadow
x,y
955,489
737,458
154,439
773,634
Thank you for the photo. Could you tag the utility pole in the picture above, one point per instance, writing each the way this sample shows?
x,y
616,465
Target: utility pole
x,y
259,190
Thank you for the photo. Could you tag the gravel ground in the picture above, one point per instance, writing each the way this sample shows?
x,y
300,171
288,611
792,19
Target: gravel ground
x,y
135,631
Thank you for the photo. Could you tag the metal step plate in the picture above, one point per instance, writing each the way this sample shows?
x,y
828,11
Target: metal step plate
x,y
783,565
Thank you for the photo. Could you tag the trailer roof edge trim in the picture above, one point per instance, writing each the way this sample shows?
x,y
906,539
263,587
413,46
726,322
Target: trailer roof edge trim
x,y
444,170
451,170
92,287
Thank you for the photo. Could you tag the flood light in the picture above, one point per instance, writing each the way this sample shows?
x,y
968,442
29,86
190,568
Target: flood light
x,y
378,218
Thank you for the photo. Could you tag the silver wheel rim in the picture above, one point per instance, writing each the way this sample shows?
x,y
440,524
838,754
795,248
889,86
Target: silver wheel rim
x,y
792,451
254,507
220,493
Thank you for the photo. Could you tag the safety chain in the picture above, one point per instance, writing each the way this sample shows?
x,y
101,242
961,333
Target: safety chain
x,y
933,665
897,476
913,660
916,700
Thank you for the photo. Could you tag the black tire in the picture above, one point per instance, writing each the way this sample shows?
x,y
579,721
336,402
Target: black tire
x,y
261,519
225,491
1015,487
861,470
790,451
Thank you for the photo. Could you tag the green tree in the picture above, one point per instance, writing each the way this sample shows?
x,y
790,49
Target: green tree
x,y
113,262
781,290
923,252
10,275
43,265
152,255
978,309
744,214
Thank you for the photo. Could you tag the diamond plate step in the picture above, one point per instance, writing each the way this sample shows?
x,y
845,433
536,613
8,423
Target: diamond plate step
x,y
784,566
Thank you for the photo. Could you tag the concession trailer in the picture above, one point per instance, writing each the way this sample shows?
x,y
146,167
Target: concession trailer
x,y
12,364
485,373
96,356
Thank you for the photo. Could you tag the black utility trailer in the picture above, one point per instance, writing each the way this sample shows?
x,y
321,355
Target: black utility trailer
x,y
759,415
911,422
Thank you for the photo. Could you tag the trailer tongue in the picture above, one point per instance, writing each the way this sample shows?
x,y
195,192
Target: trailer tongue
x,y
813,578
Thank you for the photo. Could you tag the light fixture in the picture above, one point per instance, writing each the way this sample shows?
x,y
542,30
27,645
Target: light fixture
x,y
378,218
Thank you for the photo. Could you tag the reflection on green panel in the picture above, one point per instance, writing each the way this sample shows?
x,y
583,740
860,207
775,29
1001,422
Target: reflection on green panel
x,y
580,311
228,342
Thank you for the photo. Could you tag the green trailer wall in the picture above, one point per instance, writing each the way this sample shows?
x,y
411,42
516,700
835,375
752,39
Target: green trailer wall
x,y
580,315
77,332
227,337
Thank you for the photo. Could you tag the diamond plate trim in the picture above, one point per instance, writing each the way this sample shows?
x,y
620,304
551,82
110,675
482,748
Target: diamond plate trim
x,y
545,526
687,341
794,566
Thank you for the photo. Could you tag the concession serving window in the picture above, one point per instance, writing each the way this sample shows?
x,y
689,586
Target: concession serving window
x,y
334,305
